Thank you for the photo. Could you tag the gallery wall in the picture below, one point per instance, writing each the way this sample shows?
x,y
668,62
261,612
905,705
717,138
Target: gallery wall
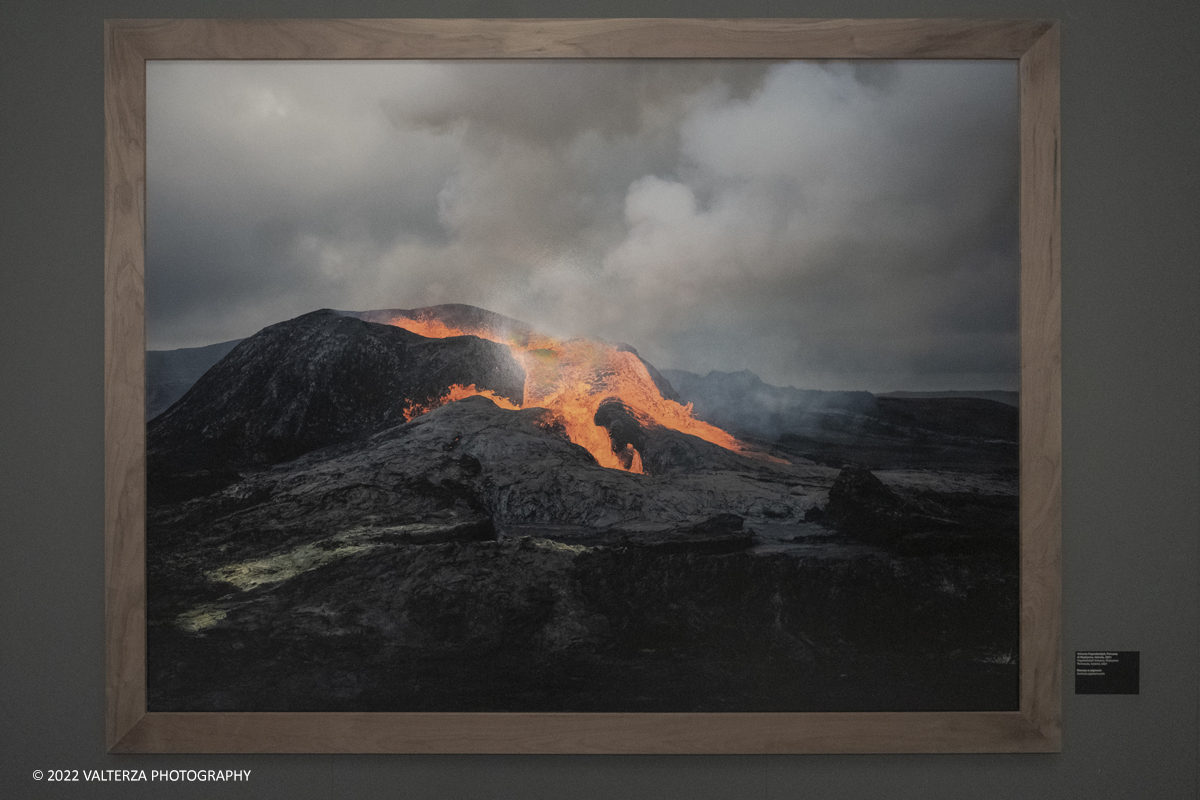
x,y
1131,436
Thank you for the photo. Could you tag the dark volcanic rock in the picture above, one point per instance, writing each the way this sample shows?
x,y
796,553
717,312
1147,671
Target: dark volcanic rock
x,y
313,381
531,625
923,523
170,373
954,416
663,450
715,535
862,506
624,427
439,531
723,533
470,458
669,452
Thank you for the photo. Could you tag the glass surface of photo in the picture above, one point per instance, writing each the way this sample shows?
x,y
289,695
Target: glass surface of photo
x,y
672,386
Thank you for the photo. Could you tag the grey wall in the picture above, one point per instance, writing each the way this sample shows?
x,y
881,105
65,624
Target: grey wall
x,y
1131,383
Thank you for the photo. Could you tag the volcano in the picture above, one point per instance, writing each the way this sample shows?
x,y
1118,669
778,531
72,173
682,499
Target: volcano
x,y
573,378
443,509
317,380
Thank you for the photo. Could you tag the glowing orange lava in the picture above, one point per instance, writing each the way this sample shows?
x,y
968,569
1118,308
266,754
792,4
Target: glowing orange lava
x,y
458,392
571,378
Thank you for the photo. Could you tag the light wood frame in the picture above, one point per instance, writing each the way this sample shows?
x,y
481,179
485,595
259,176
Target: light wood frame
x,y
1035,727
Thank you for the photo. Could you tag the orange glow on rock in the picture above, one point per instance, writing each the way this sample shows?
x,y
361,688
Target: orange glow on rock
x,y
571,378
458,392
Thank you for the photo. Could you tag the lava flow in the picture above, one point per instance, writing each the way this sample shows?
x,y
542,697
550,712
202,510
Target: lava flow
x,y
571,378
458,392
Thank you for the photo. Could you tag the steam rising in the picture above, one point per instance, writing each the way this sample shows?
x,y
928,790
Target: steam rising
x,y
837,226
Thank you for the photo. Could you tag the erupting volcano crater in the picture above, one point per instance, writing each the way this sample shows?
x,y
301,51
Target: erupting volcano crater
x,y
573,378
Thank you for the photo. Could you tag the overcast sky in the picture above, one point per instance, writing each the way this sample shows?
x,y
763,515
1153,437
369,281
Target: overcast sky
x,y
826,225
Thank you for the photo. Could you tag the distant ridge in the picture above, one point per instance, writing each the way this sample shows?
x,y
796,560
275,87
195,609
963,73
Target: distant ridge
x,y
170,373
936,429
1008,398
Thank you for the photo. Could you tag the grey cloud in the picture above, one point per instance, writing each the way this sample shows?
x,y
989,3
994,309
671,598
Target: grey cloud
x,y
258,175
552,102
838,225
870,222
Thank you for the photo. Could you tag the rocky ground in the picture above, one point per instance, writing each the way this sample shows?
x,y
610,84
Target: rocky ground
x,y
474,558
535,624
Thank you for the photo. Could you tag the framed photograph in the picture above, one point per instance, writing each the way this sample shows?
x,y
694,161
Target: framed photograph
x,y
582,386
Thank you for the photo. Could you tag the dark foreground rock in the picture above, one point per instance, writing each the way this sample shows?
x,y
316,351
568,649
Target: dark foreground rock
x,y
723,533
534,624
472,458
476,559
863,507
923,522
